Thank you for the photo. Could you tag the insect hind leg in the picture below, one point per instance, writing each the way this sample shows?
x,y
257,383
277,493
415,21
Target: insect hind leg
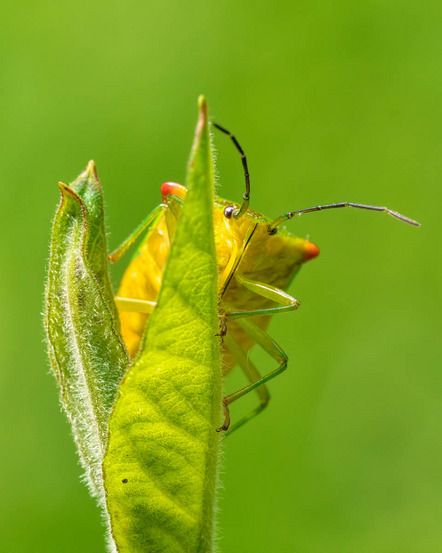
x,y
257,382
252,374
134,305
145,224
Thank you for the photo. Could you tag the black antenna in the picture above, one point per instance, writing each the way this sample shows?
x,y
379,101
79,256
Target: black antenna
x,y
287,216
246,196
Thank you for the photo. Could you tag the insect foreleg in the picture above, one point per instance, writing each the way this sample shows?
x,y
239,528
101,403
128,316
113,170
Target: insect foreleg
x,y
257,382
288,302
134,305
122,249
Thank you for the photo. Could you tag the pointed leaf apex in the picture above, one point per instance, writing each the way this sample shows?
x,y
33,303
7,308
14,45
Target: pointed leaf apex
x,y
201,129
91,170
66,190
202,119
202,104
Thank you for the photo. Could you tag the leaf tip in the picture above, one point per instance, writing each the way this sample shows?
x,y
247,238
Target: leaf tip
x,y
91,170
65,189
202,102
202,107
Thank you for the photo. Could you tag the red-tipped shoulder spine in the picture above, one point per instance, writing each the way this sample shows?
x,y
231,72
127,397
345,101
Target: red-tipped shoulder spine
x,y
310,251
173,189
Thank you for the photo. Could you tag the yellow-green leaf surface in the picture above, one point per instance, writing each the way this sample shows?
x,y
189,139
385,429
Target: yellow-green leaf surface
x,y
161,464
86,351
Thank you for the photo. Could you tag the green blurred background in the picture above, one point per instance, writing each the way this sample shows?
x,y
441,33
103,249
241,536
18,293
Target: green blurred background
x,y
332,101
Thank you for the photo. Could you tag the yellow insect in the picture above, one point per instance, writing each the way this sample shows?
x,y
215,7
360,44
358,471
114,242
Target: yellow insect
x,y
256,261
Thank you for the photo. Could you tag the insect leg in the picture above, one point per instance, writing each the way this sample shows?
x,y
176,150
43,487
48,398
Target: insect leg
x,y
257,382
174,205
246,195
122,248
134,305
288,302
252,375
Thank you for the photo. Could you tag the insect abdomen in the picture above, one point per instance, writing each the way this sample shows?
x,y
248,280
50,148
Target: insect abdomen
x,y
142,280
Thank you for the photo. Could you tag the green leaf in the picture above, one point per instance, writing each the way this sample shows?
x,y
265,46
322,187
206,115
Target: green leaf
x,y
86,351
161,463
